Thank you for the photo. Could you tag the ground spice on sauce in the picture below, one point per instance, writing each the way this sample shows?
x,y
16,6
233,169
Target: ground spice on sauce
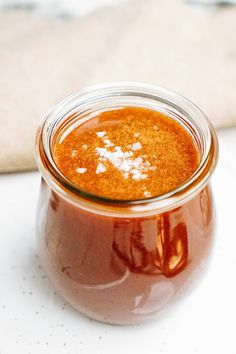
x,y
127,154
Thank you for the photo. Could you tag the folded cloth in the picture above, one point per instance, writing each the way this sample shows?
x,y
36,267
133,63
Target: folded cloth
x,y
166,43
213,2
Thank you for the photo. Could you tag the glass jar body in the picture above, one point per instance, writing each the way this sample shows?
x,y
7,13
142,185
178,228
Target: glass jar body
x,y
124,270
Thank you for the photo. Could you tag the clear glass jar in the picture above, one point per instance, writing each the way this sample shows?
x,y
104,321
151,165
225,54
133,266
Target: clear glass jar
x,y
122,262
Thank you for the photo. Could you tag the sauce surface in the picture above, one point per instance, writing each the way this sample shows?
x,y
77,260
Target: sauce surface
x,y
127,154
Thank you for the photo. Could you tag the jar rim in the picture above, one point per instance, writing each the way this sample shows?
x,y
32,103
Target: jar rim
x,y
92,94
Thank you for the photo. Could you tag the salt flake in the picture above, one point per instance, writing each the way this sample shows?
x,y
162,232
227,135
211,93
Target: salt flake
x,y
125,166
143,176
138,161
137,176
147,194
81,170
102,152
101,134
74,153
108,143
100,168
136,146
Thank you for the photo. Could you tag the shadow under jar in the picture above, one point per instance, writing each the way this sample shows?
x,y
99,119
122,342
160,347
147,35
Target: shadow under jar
x,y
123,261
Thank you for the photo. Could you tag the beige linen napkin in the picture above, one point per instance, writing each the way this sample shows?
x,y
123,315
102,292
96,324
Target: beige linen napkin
x,y
164,42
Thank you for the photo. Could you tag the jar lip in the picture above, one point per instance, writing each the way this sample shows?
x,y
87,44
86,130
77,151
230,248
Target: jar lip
x,y
171,199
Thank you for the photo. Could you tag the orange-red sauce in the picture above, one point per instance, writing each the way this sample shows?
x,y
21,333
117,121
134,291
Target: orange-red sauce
x,y
129,153
125,269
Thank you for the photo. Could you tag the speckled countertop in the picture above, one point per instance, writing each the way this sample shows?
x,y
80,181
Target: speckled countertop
x,y
35,320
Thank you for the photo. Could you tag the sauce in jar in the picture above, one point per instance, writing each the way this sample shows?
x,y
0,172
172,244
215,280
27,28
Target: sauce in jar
x,y
126,217
130,153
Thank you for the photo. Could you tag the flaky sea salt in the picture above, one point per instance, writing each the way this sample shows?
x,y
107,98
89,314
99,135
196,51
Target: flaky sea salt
x,y
74,153
100,168
102,152
147,194
137,176
81,170
135,146
136,135
84,146
125,166
134,171
138,161
101,134
143,176
128,154
108,143
123,160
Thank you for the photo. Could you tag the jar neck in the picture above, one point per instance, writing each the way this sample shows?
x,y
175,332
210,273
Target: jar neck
x,y
82,106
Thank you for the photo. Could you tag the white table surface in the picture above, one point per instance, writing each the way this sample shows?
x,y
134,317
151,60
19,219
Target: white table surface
x,y
35,320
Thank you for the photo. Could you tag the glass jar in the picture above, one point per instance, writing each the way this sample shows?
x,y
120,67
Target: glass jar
x,y
122,262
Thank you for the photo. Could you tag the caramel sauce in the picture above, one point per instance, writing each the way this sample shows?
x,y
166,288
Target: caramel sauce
x,y
125,269
127,154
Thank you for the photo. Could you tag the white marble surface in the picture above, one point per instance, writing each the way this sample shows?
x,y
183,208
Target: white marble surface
x,y
35,320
